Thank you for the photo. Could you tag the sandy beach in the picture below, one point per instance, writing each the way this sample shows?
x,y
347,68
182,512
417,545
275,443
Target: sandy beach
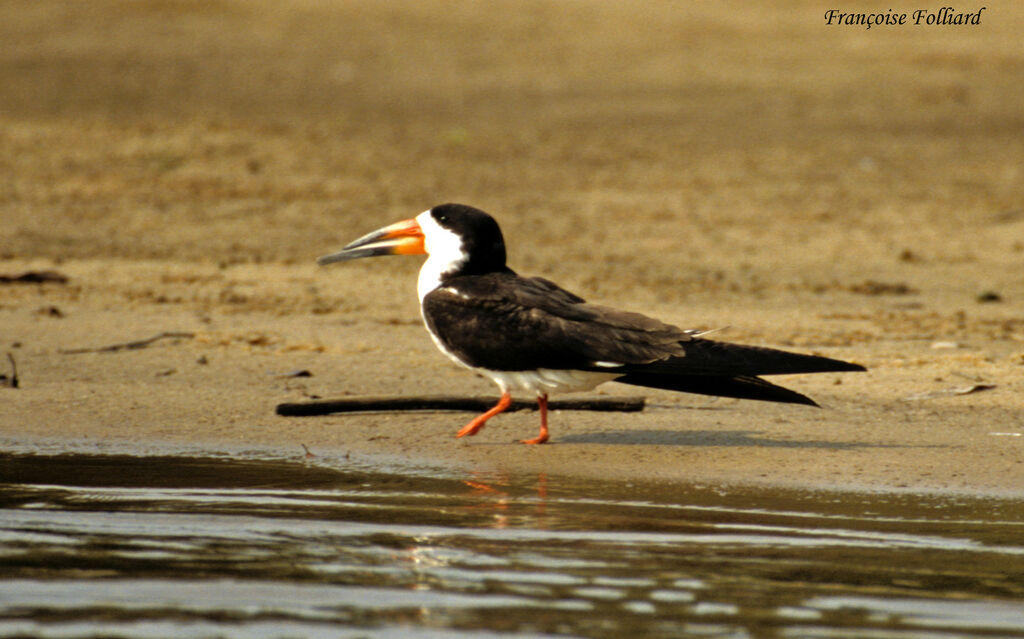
x,y
856,193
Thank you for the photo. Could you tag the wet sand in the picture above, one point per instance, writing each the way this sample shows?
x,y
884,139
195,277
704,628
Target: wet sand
x,y
849,192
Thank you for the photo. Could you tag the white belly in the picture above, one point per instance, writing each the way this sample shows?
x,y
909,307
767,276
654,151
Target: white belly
x,y
546,380
539,382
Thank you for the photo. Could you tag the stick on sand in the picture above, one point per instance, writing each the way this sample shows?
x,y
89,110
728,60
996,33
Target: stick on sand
x,y
364,403
128,346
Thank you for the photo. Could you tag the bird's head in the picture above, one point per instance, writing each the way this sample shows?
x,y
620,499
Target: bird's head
x,y
455,236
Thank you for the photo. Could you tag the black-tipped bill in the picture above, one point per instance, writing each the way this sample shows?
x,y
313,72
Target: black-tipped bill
x,y
400,238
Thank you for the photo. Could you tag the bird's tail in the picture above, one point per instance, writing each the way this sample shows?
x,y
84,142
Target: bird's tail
x,y
731,370
740,387
723,359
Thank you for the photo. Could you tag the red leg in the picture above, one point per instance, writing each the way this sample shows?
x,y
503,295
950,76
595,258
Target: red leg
x,y
478,422
542,404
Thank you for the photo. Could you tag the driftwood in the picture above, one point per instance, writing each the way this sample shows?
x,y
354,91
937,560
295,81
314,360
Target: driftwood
x,y
365,403
127,346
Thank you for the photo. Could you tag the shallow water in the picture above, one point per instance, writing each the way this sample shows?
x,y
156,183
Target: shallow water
x,y
127,546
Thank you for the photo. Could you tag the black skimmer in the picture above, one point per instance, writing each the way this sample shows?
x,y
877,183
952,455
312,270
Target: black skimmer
x,y
529,334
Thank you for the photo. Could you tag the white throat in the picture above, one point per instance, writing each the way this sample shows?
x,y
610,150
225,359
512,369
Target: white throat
x,y
444,254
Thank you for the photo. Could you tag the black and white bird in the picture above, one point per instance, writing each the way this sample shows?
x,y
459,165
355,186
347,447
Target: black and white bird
x,y
529,334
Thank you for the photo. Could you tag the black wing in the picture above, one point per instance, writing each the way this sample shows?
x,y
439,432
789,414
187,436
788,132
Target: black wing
x,y
704,356
502,321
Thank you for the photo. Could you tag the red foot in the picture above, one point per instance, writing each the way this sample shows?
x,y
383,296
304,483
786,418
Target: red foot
x,y
478,422
542,404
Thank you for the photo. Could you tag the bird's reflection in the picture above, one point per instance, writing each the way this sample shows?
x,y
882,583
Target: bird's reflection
x,y
498,494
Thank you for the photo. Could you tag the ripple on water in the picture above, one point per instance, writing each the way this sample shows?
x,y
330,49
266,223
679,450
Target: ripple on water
x,y
182,547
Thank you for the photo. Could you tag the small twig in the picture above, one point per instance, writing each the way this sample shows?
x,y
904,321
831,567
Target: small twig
x,y
448,402
127,346
950,392
11,382
35,277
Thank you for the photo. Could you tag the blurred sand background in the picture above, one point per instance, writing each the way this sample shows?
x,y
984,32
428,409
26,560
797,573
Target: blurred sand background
x,y
853,192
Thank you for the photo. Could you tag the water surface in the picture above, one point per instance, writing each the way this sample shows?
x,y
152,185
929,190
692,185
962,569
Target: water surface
x,y
177,546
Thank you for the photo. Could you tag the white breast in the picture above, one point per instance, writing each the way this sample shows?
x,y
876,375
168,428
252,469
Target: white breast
x,y
444,254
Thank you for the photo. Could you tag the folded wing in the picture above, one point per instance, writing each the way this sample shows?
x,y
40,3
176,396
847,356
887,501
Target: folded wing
x,y
544,326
